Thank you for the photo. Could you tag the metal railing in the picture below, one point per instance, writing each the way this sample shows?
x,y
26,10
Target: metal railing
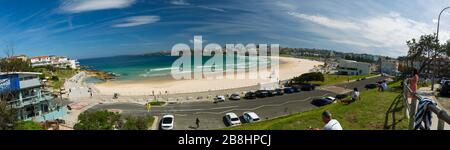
x,y
442,115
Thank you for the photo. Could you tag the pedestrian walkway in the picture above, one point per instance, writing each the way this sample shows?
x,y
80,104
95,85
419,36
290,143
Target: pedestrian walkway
x,y
428,93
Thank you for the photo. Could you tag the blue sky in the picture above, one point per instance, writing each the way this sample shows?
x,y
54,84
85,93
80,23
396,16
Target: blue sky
x,y
98,28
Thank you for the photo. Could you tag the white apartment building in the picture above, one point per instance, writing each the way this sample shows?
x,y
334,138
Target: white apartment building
x,y
389,67
56,61
350,67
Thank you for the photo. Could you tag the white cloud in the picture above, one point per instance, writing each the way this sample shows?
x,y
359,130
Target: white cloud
x,y
78,6
336,24
385,31
137,21
178,2
212,8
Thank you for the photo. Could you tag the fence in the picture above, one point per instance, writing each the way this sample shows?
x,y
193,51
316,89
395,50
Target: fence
x,y
411,107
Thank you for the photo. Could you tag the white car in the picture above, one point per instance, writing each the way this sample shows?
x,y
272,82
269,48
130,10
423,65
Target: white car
x,y
331,98
219,99
232,119
167,122
250,117
235,96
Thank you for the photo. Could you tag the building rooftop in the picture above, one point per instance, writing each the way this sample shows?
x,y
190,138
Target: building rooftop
x,y
23,73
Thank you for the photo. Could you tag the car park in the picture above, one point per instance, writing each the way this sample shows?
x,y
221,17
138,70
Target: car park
x,y
250,95
250,117
272,93
296,89
232,119
167,122
235,96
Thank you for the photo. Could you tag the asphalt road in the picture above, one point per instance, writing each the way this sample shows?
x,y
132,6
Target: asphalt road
x,y
211,114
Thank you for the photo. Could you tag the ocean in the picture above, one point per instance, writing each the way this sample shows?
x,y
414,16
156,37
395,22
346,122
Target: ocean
x,y
141,67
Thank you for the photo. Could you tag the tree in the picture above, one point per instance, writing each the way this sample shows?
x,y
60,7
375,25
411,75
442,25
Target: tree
x,y
7,116
424,51
99,120
307,77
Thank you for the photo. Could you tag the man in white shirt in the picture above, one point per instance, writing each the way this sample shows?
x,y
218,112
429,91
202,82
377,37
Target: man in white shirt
x,y
330,124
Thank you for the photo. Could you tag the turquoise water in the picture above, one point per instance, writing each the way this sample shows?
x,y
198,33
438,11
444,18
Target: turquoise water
x,y
146,67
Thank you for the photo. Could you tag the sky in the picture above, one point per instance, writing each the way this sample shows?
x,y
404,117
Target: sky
x,y
100,28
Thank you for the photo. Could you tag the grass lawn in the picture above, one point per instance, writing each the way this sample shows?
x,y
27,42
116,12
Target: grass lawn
x,y
157,103
334,79
57,76
367,114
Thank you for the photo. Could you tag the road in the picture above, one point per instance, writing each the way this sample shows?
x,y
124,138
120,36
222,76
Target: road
x,y
211,115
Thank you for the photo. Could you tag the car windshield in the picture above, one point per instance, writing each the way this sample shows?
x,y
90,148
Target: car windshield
x,y
256,119
167,120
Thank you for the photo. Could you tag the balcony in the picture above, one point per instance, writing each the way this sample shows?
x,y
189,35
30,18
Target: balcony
x,y
30,100
30,83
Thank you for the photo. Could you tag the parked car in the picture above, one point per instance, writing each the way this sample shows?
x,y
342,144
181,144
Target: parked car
x,y
296,88
219,98
321,101
167,122
272,93
331,98
445,88
341,96
250,95
288,90
235,96
371,86
279,92
262,93
250,117
232,119
308,87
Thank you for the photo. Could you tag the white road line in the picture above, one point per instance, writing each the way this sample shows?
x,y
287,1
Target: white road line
x,y
273,105
175,110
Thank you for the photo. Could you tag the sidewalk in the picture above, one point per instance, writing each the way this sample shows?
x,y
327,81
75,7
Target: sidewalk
x,y
426,92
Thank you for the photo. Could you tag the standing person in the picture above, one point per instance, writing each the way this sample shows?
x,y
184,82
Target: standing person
x,y
413,83
197,122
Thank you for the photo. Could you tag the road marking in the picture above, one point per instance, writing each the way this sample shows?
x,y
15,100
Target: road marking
x,y
180,110
272,105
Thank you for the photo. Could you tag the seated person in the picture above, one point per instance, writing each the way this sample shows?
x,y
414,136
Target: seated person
x,y
355,94
330,123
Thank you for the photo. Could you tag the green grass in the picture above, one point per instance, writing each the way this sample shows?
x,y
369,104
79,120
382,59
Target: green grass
x,y
334,79
157,103
367,114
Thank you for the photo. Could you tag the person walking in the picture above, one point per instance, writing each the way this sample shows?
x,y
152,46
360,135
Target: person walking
x,y
197,122
413,83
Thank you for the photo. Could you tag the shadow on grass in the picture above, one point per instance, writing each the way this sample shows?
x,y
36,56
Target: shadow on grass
x,y
393,109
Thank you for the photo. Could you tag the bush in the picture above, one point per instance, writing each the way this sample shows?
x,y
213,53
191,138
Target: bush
x,y
307,77
99,120
28,125
138,123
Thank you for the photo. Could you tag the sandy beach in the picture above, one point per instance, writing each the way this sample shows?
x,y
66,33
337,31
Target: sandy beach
x,y
289,67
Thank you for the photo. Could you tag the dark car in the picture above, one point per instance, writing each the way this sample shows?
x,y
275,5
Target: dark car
x,y
250,95
445,89
272,93
288,90
308,87
279,91
262,93
341,96
321,101
371,86
296,88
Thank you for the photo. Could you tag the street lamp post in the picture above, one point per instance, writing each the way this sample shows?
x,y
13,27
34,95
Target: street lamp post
x,y
437,38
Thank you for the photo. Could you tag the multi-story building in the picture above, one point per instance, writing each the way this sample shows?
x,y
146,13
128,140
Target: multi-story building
x,y
389,66
24,92
56,61
350,67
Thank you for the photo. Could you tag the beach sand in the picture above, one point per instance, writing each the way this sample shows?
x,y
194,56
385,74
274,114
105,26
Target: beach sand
x,y
289,68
